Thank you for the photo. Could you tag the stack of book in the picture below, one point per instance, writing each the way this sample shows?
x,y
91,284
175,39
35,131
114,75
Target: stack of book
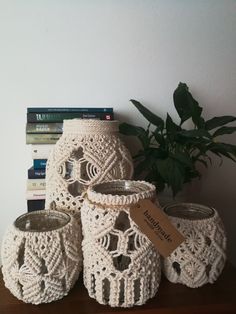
x,y
43,129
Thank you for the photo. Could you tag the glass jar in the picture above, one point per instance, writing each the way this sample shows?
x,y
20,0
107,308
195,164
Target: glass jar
x,y
41,257
88,152
200,259
121,265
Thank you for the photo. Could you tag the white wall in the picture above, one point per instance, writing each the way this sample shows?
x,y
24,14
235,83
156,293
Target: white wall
x,y
102,53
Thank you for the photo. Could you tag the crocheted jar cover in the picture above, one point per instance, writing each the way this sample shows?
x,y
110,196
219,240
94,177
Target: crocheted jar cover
x,y
41,259
88,152
121,266
200,259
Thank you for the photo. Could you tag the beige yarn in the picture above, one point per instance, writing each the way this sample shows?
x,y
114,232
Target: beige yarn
x,y
121,266
88,152
41,266
200,259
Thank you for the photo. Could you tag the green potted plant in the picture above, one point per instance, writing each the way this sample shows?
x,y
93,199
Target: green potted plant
x,y
170,153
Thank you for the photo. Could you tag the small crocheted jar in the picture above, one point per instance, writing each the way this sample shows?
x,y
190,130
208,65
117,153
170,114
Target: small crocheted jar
x,y
121,265
88,152
200,259
41,259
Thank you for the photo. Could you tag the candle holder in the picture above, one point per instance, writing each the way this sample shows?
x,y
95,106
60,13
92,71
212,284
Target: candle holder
x,y
88,152
200,259
41,257
121,265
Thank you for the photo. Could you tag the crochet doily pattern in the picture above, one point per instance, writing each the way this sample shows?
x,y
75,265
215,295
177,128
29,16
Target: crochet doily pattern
x,y
121,266
200,259
88,152
41,258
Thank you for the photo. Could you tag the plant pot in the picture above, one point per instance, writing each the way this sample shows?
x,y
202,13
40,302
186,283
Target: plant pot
x,y
41,259
200,259
88,152
121,266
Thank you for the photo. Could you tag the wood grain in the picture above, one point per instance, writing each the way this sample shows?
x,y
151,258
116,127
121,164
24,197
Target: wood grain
x,y
171,298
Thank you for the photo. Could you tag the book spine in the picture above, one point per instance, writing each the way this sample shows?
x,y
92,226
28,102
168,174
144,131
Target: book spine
x,y
33,205
35,194
42,128
68,109
41,151
36,184
36,173
39,163
33,117
42,138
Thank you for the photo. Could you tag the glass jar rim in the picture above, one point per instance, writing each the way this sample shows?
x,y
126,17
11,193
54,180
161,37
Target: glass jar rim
x,y
189,211
120,192
42,221
87,126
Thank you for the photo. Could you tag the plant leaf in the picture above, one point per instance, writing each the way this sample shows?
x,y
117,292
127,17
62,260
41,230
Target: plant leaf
x,y
224,130
172,172
151,117
129,129
203,162
218,121
227,150
195,133
186,106
143,165
156,152
159,137
224,146
155,178
171,127
183,158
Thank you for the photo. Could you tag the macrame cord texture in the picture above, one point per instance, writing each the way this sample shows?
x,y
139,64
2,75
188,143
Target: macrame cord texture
x,y
121,266
88,152
200,259
41,267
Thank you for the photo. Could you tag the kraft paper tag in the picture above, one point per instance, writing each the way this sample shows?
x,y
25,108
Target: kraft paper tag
x,y
156,226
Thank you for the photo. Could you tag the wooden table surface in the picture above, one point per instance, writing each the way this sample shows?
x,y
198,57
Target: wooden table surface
x,y
171,298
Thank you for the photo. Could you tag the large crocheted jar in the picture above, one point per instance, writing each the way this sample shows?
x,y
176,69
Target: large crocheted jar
x,y
121,265
200,259
41,259
88,152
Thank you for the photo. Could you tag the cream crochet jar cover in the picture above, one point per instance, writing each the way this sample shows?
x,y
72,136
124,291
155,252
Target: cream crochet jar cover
x,y
121,266
88,152
40,256
200,259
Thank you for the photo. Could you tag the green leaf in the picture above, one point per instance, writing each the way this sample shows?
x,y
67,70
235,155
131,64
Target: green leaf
x,y
216,152
224,130
195,133
226,147
218,121
151,117
227,150
172,173
159,137
155,178
144,165
186,106
181,102
203,162
156,152
171,127
183,158
129,129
